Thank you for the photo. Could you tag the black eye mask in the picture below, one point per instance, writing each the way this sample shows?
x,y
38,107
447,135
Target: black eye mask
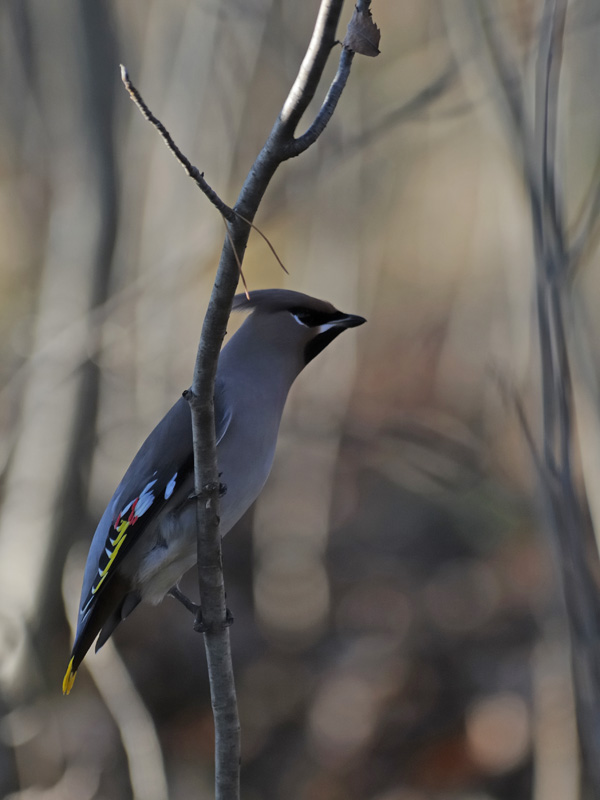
x,y
312,318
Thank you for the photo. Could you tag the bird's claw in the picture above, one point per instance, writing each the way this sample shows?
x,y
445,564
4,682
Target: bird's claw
x,y
200,626
176,593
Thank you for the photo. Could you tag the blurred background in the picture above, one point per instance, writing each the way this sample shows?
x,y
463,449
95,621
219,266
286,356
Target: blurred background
x,y
399,633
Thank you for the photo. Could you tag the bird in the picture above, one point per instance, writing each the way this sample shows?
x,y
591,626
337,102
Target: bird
x,y
146,538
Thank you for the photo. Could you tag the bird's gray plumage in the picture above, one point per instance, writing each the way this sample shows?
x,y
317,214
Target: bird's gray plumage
x,y
146,538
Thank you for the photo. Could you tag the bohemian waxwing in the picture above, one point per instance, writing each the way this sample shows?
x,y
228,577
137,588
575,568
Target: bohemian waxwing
x,y
146,539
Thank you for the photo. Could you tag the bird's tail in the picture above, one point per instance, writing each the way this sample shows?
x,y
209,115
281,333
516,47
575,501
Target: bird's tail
x,y
111,606
69,678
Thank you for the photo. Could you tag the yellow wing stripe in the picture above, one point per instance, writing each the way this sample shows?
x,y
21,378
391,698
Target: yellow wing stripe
x,y
121,528
118,542
69,678
70,674
136,508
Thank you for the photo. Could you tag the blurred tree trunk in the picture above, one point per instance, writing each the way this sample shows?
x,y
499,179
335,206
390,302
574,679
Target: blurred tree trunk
x,y
46,486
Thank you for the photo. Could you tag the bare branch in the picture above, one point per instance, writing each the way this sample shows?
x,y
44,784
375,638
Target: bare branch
x,y
351,45
303,142
306,83
569,519
547,80
192,171
237,259
549,228
364,6
278,148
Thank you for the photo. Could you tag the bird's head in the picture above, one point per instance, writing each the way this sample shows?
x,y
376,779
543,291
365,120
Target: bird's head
x,y
297,324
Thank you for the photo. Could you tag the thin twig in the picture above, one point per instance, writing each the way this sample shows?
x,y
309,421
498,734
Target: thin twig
x,y
192,171
267,240
527,432
325,113
510,396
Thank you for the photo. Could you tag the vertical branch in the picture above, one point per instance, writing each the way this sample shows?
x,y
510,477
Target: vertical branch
x,y
279,146
567,509
210,569
511,83
546,95
546,227
568,512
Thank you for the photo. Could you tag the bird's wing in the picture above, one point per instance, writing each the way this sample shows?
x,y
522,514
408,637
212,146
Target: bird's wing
x,y
163,464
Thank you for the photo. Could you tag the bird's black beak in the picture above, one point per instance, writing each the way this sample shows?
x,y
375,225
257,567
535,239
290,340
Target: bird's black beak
x,y
350,321
326,333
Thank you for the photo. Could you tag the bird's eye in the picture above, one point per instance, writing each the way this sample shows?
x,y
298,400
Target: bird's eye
x,y
312,319
302,316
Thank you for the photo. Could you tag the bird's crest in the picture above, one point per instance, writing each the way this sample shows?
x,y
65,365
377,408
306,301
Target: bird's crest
x,y
270,301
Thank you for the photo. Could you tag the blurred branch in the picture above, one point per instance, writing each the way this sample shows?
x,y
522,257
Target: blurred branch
x,y
47,479
280,146
549,243
335,152
547,85
510,396
587,230
568,515
409,110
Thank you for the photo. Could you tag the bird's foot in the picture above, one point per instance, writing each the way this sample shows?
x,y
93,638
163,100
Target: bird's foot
x,y
176,592
208,488
200,625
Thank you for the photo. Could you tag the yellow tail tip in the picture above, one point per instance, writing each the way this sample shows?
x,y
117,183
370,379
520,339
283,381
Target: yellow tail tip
x,y
69,678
